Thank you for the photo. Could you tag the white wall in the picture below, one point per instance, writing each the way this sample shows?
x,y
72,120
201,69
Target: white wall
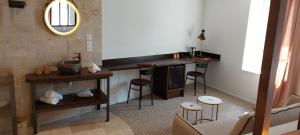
x,y
226,25
147,27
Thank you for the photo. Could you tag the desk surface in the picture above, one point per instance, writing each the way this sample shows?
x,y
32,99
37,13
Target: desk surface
x,y
163,62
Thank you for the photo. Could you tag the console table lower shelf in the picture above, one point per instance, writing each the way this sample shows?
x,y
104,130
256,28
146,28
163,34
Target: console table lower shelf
x,y
71,100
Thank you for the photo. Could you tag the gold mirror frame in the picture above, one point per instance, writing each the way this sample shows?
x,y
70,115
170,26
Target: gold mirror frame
x,y
46,19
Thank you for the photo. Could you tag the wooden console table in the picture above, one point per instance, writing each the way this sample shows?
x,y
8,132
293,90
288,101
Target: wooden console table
x,y
69,101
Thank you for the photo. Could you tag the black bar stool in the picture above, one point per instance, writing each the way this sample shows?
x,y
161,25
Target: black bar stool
x,y
144,70
200,72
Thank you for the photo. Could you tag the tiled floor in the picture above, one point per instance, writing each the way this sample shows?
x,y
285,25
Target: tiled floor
x,y
92,123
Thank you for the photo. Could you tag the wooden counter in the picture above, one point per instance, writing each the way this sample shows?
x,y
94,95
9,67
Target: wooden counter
x,y
159,60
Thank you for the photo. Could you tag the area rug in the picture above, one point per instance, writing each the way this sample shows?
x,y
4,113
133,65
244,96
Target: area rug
x,y
157,119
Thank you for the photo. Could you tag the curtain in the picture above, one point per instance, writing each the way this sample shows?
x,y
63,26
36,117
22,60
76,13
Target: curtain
x,y
287,76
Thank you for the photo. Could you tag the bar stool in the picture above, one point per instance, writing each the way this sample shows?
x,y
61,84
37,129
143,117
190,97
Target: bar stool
x,y
200,72
144,70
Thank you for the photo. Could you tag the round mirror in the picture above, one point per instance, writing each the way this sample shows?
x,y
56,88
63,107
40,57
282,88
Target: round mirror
x,y
62,17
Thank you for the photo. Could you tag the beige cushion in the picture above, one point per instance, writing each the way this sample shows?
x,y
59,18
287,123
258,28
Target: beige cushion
x,y
182,127
217,127
293,99
239,126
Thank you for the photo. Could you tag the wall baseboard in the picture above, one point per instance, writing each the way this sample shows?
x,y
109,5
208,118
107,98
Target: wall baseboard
x,y
233,94
230,94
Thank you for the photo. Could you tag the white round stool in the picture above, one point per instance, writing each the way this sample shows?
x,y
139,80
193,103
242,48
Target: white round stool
x,y
213,101
191,106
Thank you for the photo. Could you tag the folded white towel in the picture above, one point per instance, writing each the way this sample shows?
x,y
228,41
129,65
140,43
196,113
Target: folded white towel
x,y
52,101
93,68
85,93
53,94
3,103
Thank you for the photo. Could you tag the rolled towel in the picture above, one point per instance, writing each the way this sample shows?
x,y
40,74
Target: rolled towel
x,y
93,68
53,94
51,101
3,103
85,93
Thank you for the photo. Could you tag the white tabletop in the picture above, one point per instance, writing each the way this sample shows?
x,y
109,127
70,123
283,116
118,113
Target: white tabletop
x,y
191,106
210,100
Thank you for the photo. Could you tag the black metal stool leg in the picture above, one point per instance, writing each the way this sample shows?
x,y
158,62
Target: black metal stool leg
x,y
204,85
129,92
141,94
185,80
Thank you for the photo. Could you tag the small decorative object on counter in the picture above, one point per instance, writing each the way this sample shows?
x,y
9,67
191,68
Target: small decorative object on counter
x,y
46,70
51,97
178,56
3,103
39,70
192,51
85,93
174,56
93,68
53,68
53,94
70,66
51,101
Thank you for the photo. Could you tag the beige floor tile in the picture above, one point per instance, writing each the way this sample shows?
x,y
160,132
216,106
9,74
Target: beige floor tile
x,y
92,123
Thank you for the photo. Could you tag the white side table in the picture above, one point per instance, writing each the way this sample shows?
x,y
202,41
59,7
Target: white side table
x,y
213,101
191,106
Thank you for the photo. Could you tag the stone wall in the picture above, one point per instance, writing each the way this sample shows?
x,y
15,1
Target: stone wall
x,y
26,43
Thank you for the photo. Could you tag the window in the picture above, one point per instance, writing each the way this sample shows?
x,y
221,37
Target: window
x,y
61,14
256,34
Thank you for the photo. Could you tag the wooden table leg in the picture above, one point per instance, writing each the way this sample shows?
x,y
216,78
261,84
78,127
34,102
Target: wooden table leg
x,y
217,113
187,115
98,90
201,116
107,94
196,117
298,127
33,114
212,113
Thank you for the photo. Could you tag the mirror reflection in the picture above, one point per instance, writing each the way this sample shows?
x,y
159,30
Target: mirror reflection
x,y
62,17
